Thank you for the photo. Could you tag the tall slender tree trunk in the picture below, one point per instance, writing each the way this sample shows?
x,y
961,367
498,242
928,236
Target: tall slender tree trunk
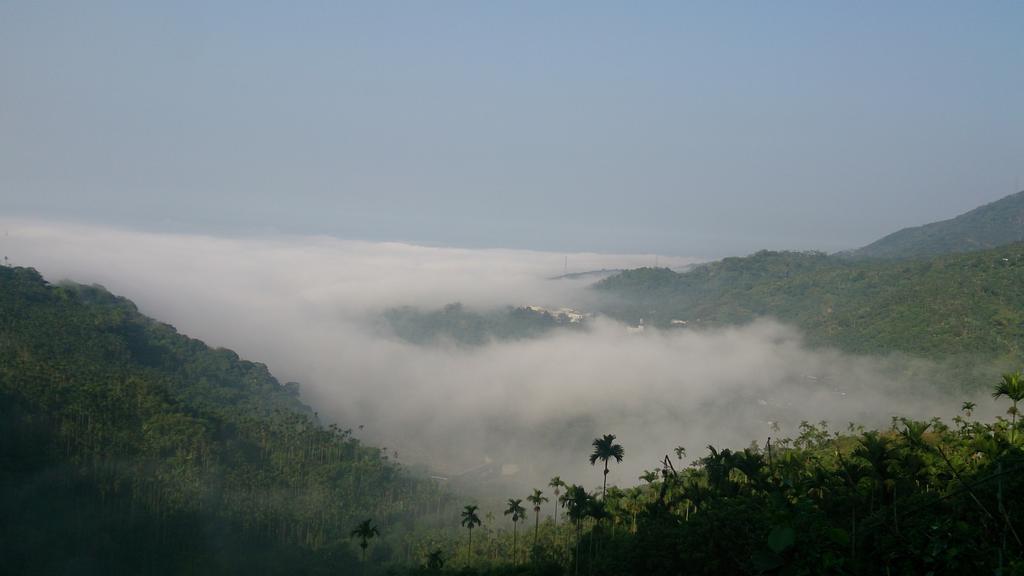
x,y
590,564
579,534
515,533
604,486
1013,423
536,525
469,551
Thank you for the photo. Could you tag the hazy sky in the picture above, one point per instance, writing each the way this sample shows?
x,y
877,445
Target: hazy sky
x,y
699,129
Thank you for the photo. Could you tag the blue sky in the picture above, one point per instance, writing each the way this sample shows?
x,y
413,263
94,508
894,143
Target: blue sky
x,y
686,128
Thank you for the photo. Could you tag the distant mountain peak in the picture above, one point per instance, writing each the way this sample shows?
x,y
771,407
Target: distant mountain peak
x,y
995,224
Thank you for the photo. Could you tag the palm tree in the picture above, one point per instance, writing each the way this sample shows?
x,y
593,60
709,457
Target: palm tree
x,y
913,432
469,520
598,510
751,465
605,449
632,502
518,513
557,484
1012,386
718,468
576,501
537,498
967,408
649,476
880,454
364,531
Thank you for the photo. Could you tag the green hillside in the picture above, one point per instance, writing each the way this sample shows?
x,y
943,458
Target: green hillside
x,y
127,448
961,305
989,226
458,324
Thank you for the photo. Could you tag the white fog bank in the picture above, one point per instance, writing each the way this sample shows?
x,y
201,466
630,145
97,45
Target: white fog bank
x,y
308,307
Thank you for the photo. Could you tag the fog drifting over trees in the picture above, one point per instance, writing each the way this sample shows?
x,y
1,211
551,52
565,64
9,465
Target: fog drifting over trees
x,y
310,308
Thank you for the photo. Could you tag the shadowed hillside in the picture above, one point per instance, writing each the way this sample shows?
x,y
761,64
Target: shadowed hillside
x,y
128,448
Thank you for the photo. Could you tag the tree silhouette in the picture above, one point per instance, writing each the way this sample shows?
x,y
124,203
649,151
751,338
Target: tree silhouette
x,y
537,498
1012,387
752,465
576,502
517,512
365,531
557,484
605,449
598,510
717,467
470,520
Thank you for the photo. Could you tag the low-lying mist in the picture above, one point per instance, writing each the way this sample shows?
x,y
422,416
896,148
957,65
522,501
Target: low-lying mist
x,y
310,308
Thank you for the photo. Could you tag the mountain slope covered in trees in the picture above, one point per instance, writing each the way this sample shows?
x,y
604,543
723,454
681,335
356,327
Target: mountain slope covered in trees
x,y
126,447
965,305
992,225
458,324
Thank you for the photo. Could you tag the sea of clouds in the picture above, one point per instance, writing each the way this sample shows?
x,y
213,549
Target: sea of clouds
x,y
310,308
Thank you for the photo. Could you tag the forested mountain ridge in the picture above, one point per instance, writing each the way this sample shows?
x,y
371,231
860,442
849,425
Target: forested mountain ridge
x,y
989,226
959,304
456,323
126,447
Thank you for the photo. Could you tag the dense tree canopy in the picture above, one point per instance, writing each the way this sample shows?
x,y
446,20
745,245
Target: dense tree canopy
x,y
969,306
126,447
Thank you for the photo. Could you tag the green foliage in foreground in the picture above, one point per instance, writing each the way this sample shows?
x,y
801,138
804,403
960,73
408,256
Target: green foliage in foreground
x,y
127,448
965,305
918,498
